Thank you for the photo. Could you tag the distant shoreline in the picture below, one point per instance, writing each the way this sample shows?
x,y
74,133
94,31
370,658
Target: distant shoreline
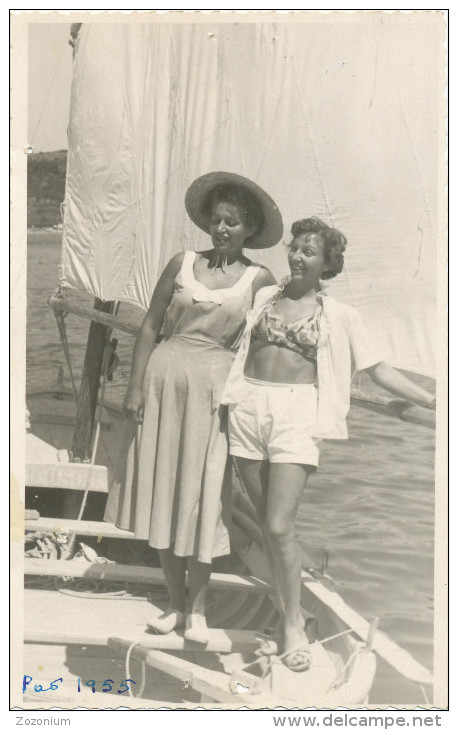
x,y
33,231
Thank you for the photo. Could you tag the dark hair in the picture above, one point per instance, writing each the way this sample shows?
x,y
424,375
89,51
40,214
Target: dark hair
x,y
236,195
335,243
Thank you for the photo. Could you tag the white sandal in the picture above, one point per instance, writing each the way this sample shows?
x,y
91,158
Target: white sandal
x,y
196,628
167,622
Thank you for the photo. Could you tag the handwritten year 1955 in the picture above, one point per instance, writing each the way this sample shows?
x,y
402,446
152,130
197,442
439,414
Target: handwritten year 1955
x,y
106,685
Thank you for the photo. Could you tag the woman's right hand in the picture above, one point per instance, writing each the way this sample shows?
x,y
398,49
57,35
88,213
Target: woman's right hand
x,y
133,406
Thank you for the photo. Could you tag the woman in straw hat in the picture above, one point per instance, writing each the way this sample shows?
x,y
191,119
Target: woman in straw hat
x,y
176,493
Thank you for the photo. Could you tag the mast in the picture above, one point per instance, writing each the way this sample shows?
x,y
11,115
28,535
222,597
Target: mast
x,y
90,382
87,404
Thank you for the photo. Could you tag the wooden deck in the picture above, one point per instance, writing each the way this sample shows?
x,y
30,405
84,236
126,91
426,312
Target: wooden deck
x,y
45,662
60,643
55,618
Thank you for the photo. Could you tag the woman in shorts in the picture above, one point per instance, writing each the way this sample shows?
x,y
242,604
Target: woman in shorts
x,y
289,387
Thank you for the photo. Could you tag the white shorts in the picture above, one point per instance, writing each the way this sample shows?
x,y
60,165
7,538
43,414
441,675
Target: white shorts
x,y
274,421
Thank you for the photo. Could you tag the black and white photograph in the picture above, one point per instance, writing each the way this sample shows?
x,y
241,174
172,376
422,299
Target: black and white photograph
x,y
229,241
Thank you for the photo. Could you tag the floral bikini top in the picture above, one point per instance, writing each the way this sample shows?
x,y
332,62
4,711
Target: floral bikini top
x,y
300,336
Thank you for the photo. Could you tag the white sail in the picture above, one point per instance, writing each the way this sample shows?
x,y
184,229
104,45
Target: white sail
x,y
335,119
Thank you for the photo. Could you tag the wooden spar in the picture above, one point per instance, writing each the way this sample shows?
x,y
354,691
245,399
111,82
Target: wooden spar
x,y
394,408
221,641
87,528
216,685
135,574
129,322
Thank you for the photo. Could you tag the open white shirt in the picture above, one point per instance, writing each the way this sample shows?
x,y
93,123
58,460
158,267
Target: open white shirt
x,y
344,347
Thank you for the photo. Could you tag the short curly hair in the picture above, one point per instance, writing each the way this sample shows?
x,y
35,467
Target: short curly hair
x,y
235,195
335,243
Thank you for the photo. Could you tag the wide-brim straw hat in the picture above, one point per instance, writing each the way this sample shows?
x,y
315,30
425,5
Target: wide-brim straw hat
x,y
270,232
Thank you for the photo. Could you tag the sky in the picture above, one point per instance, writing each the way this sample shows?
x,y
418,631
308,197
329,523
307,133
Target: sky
x,y
50,69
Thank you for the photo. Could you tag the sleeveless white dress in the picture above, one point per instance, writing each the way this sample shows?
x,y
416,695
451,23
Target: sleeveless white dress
x,y
172,487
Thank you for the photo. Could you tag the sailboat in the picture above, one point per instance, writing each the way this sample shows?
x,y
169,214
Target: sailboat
x,y
153,106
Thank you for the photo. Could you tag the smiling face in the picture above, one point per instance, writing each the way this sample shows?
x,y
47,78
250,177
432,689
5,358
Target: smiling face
x,y
228,227
306,257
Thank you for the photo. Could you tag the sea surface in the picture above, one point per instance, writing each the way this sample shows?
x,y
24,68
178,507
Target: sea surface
x,y
371,504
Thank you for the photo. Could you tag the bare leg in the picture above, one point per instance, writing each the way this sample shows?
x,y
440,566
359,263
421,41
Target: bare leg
x,y
255,478
255,474
286,485
199,577
175,575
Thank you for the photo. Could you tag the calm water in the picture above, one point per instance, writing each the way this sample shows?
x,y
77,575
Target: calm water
x,y
371,505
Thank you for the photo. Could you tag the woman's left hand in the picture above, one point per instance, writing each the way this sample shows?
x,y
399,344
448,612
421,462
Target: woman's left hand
x,y
133,406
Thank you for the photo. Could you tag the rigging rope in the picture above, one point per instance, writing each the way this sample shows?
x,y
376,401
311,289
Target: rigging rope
x,y
142,685
340,678
425,694
99,588
60,319
303,647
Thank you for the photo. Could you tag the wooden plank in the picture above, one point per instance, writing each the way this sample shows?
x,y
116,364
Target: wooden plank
x,y
77,527
134,574
77,477
223,641
54,617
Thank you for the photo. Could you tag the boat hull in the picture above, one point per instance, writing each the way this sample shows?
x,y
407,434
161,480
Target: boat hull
x,y
78,631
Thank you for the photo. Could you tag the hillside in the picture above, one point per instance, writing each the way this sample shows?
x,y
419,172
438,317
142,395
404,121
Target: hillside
x,y
45,188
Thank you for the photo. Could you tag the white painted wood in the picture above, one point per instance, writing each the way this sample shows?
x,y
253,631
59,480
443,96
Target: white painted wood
x,y
67,476
209,682
385,647
78,527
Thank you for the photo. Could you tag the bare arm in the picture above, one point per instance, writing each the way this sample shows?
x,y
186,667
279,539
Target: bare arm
x,y
146,338
264,277
393,381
